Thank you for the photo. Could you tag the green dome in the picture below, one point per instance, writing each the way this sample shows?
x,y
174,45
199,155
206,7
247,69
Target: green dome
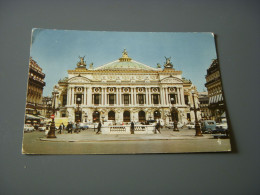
x,y
126,65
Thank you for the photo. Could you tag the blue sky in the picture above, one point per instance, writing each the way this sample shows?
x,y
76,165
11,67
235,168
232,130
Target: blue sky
x,y
57,51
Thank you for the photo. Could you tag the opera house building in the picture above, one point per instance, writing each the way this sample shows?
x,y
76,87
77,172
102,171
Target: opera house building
x,y
123,91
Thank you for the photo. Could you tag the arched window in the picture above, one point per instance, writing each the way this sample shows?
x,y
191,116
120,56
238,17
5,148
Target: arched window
x,y
156,115
96,117
111,115
126,116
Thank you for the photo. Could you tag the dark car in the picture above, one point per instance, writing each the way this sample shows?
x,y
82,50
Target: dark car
x,y
208,126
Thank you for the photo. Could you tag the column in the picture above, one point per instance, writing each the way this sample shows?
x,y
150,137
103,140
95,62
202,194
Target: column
x,y
132,96
117,94
161,96
105,96
179,97
85,94
102,96
68,96
149,96
182,96
146,96
120,96
89,98
134,99
72,96
167,98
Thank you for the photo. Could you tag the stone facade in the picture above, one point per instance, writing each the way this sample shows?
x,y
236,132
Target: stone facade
x,y
204,105
125,90
214,87
35,88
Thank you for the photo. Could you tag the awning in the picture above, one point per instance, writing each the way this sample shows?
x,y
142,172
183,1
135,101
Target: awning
x,y
29,116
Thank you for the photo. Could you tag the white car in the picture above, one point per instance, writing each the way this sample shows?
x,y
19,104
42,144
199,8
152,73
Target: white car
x,y
171,124
28,128
191,126
222,125
43,128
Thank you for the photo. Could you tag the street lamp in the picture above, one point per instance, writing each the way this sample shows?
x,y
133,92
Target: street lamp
x,y
175,128
49,109
51,133
197,125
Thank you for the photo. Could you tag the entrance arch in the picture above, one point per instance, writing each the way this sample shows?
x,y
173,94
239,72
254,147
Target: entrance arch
x,y
126,116
111,115
96,117
78,116
156,115
141,116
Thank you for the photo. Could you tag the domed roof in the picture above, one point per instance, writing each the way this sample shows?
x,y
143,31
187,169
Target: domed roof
x,y
125,63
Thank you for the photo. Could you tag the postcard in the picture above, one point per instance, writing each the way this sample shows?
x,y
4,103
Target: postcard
x,y
104,92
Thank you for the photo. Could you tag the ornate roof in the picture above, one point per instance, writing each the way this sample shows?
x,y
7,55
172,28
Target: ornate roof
x,y
125,63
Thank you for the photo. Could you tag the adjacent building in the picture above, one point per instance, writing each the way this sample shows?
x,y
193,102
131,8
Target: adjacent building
x,y
34,91
214,87
204,106
125,90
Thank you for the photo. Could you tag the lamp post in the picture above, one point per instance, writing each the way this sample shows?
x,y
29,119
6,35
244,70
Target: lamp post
x,y
197,125
48,109
175,128
51,133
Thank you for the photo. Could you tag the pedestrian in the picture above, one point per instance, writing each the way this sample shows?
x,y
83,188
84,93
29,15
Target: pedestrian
x,y
157,127
69,128
61,127
99,127
132,127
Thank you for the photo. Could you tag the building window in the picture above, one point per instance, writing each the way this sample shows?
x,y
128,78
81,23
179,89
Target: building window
x,y
126,116
140,98
155,98
172,101
64,100
186,99
126,98
63,115
188,116
97,98
141,116
78,98
96,116
111,115
111,98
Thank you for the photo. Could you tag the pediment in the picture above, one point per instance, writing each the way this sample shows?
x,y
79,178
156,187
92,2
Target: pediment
x,y
79,79
171,80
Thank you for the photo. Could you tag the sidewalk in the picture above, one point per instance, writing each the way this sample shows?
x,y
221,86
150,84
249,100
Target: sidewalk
x,y
91,136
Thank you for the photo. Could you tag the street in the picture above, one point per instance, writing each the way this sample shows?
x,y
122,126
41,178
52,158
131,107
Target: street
x,y
33,145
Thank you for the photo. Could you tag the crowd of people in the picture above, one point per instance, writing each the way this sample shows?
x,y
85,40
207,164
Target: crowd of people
x,y
75,127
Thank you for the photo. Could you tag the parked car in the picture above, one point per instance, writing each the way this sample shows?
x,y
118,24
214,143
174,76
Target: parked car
x,y
207,126
28,128
220,130
171,124
222,125
42,128
191,125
